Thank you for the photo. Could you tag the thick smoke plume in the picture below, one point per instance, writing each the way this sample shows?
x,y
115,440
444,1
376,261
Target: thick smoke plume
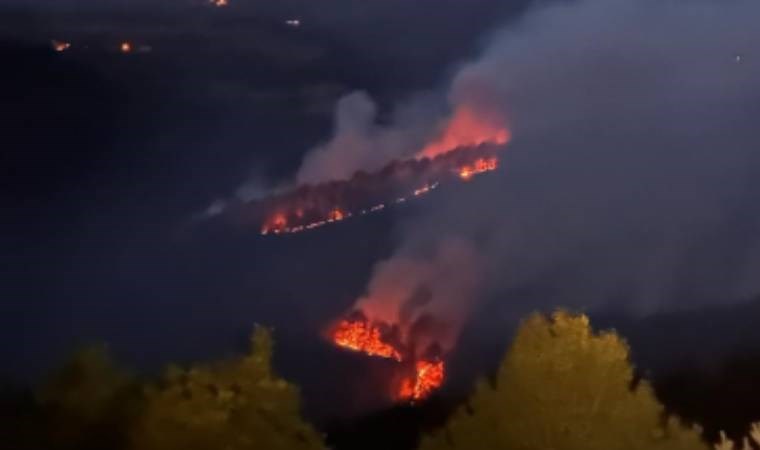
x,y
417,131
631,180
359,143
422,294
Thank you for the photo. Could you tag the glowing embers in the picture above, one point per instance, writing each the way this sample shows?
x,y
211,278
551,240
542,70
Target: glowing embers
x,y
361,336
428,377
60,46
336,215
280,223
276,224
481,165
308,207
295,216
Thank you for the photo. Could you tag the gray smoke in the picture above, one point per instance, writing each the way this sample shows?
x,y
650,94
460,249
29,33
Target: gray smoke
x,y
359,142
632,181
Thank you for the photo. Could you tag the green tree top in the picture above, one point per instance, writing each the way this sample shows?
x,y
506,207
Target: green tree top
x,y
239,404
562,387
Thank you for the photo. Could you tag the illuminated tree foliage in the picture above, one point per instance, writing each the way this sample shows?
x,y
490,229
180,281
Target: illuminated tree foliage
x,y
562,387
89,403
240,404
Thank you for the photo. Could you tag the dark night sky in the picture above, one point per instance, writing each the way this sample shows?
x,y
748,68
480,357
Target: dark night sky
x,y
105,158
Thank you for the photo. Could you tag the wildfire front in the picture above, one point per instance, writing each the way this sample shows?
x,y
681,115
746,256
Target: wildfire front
x,y
310,207
358,334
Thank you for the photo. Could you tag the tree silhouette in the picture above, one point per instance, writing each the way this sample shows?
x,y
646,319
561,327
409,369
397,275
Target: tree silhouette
x,y
562,387
239,404
89,403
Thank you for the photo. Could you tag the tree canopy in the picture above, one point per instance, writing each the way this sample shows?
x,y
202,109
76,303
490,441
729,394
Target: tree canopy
x,y
560,387
89,402
238,404
563,387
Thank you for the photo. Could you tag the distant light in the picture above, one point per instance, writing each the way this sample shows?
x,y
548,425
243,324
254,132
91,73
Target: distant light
x,y
126,47
219,3
295,23
739,58
60,46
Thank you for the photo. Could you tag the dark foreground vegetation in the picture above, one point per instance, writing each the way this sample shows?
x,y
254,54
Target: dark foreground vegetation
x,y
560,386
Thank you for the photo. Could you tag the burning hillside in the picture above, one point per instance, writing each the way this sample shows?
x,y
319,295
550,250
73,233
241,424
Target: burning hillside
x,y
413,309
415,304
358,334
313,206
342,184
412,314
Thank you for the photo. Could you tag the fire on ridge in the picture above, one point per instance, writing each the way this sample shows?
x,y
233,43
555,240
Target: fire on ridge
x,y
405,181
310,207
466,146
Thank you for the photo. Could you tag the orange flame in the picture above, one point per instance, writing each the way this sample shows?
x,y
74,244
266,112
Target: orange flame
x,y
466,129
291,219
362,337
277,224
428,377
60,46
481,165
336,215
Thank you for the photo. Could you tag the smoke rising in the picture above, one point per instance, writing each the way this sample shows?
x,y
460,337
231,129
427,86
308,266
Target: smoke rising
x,y
360,143
418,130
631,182
422,292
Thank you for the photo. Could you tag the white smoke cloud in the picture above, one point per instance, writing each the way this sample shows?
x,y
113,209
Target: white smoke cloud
x,y
359,142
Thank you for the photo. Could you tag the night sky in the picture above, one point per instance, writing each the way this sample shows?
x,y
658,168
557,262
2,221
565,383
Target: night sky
x,y
630,189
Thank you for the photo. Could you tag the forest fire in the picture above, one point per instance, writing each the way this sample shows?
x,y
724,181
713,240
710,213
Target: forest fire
x,y
360,335
311,207
468,145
